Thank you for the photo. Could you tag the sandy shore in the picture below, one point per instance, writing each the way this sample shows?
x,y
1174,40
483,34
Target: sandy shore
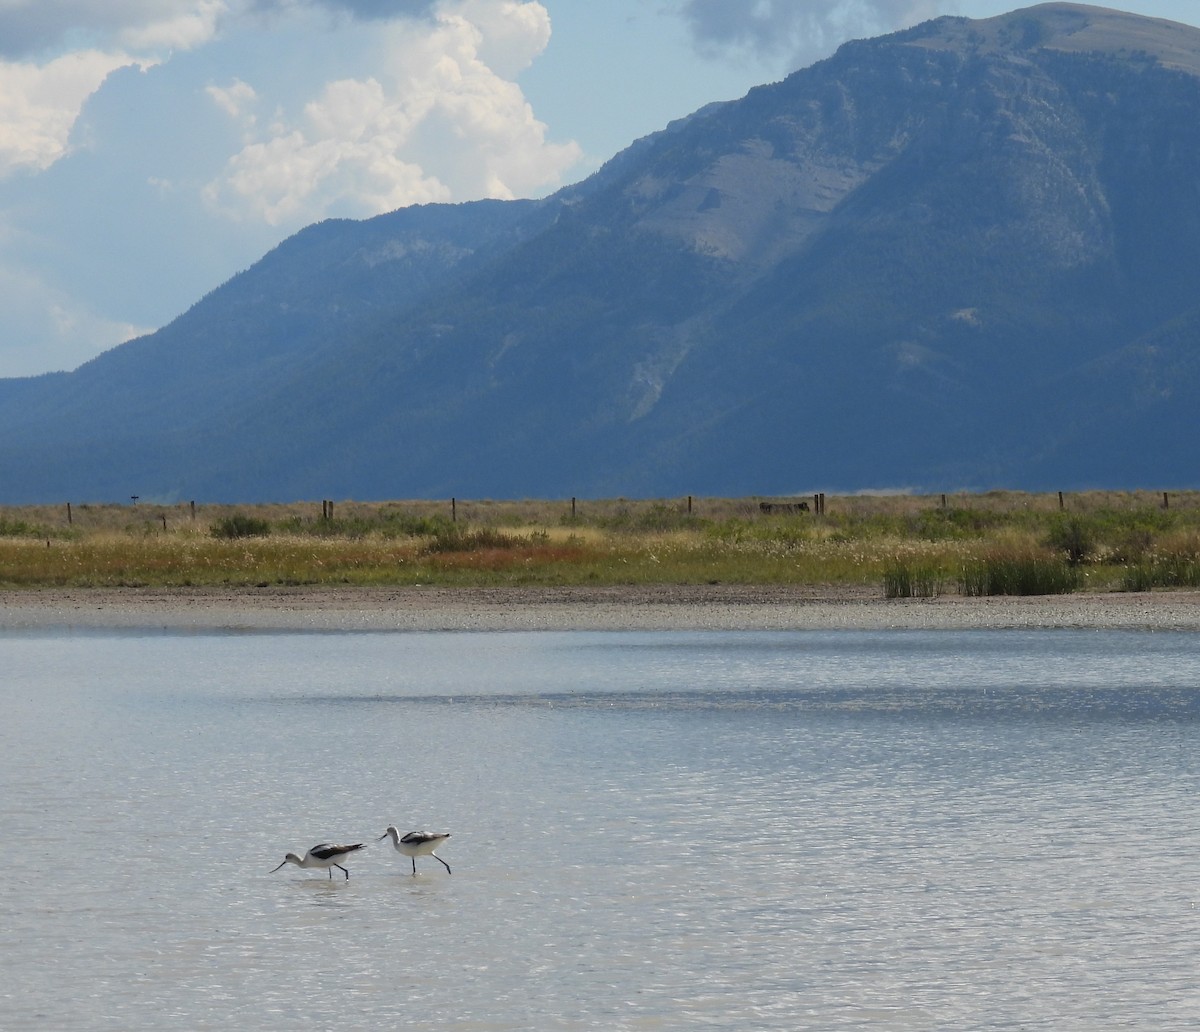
x,y
693,607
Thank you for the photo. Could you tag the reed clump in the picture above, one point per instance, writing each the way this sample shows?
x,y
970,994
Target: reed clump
x,y
908,546
1005,572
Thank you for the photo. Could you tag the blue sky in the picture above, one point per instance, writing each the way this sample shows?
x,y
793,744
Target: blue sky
x,y
151,149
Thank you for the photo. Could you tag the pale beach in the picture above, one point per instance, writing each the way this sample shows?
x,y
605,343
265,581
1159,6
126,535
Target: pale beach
x,y
674,607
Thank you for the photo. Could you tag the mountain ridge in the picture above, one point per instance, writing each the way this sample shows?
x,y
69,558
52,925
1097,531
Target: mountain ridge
x,y
887,269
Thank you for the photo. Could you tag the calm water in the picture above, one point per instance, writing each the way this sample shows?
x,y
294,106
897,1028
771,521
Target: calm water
x,y
909,830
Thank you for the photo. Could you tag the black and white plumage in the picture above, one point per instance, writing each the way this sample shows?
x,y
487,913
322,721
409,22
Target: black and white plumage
x,y
417,843
326,855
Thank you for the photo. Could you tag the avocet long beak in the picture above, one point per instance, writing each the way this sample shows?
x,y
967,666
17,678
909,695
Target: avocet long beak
x,y
381,837
277,868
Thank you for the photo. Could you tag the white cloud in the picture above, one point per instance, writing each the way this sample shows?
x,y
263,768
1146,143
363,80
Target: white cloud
x,y
42,94
237,100
511,33
38,27
437,121
39,105
276,113
189,27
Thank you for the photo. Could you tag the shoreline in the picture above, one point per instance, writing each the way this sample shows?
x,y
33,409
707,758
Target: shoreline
x,y
625,608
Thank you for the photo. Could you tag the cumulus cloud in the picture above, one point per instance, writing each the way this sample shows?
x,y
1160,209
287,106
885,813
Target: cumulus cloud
x,y
439,120
382,9
46,78
40,103
178,30
125,124
798,30
31,27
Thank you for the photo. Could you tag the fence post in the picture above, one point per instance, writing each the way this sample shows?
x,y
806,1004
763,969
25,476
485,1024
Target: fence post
x,y
689,505
69,521
572,506
1166,501
453,510
1060,501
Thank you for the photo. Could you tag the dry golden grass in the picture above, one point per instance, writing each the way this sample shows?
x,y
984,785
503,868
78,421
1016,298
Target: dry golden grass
x,y
608,541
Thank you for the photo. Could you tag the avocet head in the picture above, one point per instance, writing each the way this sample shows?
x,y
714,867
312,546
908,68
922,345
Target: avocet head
x,y
391,830
291,858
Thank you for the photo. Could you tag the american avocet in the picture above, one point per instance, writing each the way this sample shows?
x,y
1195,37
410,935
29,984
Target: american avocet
x,y
325,855
417,843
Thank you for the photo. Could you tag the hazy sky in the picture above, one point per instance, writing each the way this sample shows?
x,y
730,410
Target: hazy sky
x,y
150,149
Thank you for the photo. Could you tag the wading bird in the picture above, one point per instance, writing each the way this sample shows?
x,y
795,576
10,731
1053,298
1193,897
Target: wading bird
x,y
325,855
417,843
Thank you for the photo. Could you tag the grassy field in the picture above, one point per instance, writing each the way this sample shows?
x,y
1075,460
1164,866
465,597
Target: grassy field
x,y
909,545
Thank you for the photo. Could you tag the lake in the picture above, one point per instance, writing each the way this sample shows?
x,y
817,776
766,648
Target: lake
x,y
649,830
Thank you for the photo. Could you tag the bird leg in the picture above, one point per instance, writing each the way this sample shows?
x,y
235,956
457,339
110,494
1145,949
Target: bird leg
x,y
441,861
340,868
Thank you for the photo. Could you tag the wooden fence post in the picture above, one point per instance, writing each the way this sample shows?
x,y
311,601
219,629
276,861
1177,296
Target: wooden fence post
x,y
453,510
69,521
1060,500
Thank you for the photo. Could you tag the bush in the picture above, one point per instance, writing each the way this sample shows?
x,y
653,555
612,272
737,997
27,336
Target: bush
x,y
239,526
388,525
1075,536
658,518
19,529
452,539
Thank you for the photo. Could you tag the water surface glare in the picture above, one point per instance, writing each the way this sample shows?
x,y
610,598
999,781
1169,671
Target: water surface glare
x,y
650,830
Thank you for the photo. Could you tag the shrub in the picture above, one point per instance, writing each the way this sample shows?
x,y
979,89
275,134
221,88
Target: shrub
x,y
453,539
657,518
240,526
1074,536
19,529
952,524
388,525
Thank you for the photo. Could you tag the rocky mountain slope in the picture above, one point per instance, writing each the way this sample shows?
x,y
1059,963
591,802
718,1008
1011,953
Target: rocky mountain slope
x,y
963,255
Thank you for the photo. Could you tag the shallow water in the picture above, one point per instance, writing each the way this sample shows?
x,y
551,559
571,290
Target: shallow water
x,y
842,830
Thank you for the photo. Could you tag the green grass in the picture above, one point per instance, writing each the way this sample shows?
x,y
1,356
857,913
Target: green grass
x,y
903,579
1019,575
903,545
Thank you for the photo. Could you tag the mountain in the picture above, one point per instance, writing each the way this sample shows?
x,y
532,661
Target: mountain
x,y
965,255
